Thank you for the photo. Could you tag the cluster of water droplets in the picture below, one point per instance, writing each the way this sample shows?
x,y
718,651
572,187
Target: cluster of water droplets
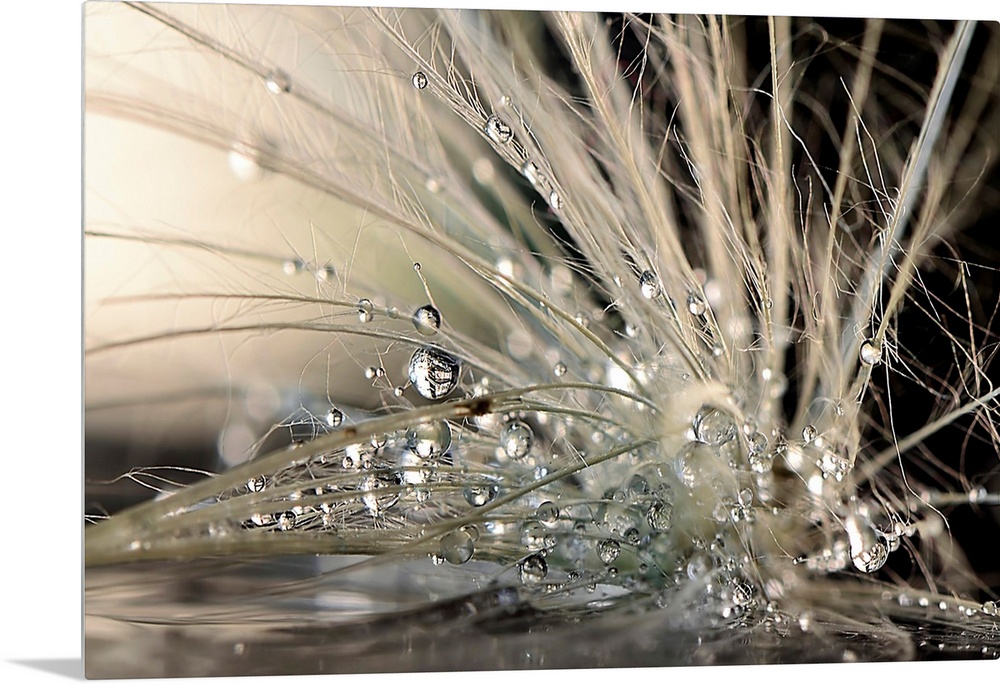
x,y
543,492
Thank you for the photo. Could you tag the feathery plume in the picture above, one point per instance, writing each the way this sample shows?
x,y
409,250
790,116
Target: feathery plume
x,y
572,339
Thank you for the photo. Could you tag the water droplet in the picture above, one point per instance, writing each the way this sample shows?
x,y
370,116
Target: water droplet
x,y
419,80
559,369
293,266
457,546
990,608
516,438
256,484
497,130
658,515
608,550
366,310
697,567
547,513
480,494
530,171
714,426
555,200
870,353
696,305
427,320
261,519
532,570
867,552
375,502
690,462
745,497
434,373
757,442
833,464
429,440
582,319
286,520
277,82
742,593
649,285
398,390
535,536
809,433
334,417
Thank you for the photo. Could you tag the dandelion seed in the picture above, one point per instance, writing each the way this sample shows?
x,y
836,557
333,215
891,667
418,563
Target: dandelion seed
x,y
657,484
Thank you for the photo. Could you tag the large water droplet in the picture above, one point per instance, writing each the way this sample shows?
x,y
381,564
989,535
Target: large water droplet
x,y
696,463
277,82
366,310
334,417
696,305
809,433
870,353
434,373
293,266
429,440
868,551
375,501
457,546
757,442
498,131
714,426
286,520
530,171
256,484
480,494
742,593
547,513
419,80
427,320
516,439
532,570
555,200
658,515
871,558
608,550
649,285
535,536
559,369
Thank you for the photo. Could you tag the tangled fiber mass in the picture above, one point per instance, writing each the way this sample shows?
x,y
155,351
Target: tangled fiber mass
x,y
455,339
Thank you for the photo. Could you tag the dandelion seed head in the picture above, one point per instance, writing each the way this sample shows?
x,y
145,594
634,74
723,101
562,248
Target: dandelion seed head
x,y
703,273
